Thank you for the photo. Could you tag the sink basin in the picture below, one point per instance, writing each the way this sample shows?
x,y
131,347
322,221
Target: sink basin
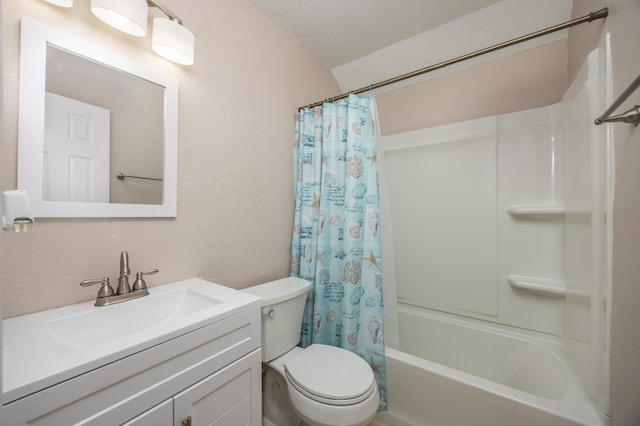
x,y
103,324
45,348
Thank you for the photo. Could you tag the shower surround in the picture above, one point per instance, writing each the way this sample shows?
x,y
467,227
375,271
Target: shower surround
x,y
500,223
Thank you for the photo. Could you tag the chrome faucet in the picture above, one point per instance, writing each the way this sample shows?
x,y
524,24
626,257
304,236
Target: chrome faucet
x,y
106,295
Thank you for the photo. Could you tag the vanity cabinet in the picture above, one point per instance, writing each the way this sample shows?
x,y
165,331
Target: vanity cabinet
x,y
211,375
223,398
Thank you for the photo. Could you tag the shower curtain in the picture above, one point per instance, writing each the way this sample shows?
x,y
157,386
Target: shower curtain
x,y
336,239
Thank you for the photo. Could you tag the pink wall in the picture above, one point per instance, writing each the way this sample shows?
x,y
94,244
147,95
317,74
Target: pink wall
x,y
235,198
487,89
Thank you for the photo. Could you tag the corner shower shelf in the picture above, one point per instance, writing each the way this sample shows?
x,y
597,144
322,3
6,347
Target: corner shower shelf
x,y
538,285
535,210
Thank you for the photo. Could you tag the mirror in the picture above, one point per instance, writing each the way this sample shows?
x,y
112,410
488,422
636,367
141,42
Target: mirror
x,y
97,133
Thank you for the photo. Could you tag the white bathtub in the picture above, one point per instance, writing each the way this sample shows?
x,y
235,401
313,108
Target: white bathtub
x,y
457,372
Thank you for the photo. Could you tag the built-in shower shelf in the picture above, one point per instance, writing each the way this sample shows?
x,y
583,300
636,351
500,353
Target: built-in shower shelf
x,y
535,210
543,286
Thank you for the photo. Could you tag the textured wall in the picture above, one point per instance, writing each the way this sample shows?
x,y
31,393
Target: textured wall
x,y
235,201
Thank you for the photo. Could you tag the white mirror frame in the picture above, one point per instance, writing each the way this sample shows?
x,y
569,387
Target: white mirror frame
x,y
34,39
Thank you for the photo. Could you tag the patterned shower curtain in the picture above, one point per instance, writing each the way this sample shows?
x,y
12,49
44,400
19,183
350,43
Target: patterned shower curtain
x,y
336,239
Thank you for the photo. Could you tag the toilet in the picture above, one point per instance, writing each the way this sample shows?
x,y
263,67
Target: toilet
x,y
320,385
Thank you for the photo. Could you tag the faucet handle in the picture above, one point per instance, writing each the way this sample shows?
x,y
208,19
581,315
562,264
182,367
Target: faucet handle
x,y
139,283
105,289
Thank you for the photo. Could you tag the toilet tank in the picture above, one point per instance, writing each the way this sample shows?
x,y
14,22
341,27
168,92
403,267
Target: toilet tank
x,y
282,308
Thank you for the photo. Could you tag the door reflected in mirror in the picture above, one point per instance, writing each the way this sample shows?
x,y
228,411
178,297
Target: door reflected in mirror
x,y
88,117
100,122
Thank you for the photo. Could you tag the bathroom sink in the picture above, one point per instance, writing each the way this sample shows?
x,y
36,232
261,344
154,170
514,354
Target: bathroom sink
x,y
100,325
45,348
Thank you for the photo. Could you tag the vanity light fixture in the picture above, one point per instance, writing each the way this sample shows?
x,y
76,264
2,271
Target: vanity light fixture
x,y
129,16
170,38
172,41
61,3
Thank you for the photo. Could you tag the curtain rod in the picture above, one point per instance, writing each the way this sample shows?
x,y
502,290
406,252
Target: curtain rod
x,y
600,14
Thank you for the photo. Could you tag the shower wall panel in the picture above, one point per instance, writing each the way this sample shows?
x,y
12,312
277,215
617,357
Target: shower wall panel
x,y
588,161
443,198
530,231
456,244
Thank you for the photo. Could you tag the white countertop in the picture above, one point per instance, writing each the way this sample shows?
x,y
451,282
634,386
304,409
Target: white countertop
x,y
33,359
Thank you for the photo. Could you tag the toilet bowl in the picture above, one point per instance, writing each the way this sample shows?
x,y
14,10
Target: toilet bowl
x,y
320,385
328,386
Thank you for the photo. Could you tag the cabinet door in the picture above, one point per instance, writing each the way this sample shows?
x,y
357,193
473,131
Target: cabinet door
x,y
230,397
160,415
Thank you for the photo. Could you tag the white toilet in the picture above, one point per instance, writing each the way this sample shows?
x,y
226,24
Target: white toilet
x,y
320,385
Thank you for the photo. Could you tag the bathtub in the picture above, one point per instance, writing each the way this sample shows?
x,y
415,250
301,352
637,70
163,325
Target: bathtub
x,y
453,371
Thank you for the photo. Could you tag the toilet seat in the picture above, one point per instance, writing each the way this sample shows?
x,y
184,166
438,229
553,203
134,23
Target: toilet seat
x,y
330,375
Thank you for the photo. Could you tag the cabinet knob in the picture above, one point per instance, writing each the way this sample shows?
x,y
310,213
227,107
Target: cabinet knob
x,y
270,314
187,421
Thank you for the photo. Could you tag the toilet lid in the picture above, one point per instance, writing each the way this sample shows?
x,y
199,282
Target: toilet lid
x,y
331,375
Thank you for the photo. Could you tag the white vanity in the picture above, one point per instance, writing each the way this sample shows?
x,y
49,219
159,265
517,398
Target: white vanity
x,y
187,354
